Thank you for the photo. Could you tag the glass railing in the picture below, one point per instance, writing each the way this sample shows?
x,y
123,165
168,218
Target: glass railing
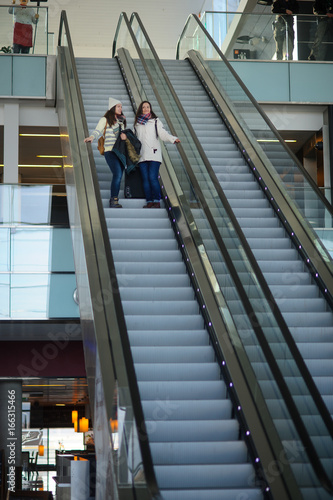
x,y
37,278
261,36
287,171
218,231
38,39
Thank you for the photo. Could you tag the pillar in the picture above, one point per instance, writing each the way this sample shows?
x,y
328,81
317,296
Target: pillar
x,y
11,143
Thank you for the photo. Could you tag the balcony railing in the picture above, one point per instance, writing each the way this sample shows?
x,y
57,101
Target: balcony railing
x,y
253,36
40,35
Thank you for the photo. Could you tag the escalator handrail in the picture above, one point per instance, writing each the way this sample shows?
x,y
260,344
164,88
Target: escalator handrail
x,y
132,383
305,173
322,410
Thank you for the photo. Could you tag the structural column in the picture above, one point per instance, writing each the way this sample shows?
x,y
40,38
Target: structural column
x,y
328,150
11,143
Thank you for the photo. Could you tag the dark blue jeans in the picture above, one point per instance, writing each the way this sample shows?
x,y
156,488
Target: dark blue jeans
x,y
17,49
117,172
149,172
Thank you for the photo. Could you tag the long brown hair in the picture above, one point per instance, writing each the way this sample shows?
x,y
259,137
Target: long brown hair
x,y
139,111
112,117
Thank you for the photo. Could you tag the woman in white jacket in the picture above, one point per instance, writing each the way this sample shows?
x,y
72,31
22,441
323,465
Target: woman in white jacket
x,y
150,131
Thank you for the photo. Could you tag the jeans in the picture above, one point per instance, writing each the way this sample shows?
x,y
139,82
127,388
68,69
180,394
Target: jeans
x,y
117,172
324,33
284,37
17,49
149,172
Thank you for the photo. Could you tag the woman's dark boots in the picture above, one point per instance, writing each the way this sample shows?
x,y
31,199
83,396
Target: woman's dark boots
x,y
114,203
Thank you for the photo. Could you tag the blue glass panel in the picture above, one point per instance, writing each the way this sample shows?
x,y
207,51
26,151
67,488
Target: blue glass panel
x,y
4,296
37,276
4,249
5,75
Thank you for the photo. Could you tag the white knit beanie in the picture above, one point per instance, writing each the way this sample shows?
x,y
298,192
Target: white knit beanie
x,y
113,102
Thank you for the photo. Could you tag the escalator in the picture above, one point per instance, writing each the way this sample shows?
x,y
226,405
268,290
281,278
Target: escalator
x,y
184,399
300,300
179,389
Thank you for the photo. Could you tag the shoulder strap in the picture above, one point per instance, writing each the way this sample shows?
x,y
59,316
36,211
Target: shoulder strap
x,y
105,128
156,128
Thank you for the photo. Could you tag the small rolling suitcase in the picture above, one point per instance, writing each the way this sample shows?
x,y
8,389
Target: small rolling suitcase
x,y
133,185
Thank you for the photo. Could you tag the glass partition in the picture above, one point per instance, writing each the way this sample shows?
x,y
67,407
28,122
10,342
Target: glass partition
x,y
36,257
262,35
199,193
10,14
270,148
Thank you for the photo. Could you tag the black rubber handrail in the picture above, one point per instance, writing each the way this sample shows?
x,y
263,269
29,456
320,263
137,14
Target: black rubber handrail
x,y
122,339
322,410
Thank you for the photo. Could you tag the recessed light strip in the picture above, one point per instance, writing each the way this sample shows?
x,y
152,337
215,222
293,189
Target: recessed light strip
x,y
44,135
40,166
275,140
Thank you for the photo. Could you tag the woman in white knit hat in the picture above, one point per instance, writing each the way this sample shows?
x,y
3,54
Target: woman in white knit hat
x,y
113,122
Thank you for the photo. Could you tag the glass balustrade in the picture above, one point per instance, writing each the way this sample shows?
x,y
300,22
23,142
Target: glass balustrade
x,y
40,35
258,35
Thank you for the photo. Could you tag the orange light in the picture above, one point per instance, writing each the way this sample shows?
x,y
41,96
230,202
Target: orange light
x,y
41,450
75,426
114,425
74,416
84,424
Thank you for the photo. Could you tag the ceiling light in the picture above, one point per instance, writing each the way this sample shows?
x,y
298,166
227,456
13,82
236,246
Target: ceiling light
x,y
45,385
276,140
268,140
40,166
44,135
50,156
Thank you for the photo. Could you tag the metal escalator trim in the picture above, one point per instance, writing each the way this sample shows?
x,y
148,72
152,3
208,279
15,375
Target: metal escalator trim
x,y
313,456
112,339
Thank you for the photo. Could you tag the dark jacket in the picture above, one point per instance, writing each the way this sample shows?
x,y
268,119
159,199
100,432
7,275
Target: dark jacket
x,y
322,7
124,150
280,7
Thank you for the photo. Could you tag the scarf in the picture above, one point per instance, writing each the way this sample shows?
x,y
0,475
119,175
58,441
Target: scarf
x,y
142,119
